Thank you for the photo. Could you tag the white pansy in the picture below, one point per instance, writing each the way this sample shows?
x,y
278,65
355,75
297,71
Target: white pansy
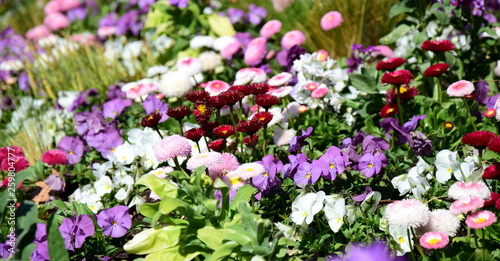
x,y
156,70
124,153
100,170
431,29
95,206
103,185
123,194
305,206
446,163
351,214
136,201
283,137
66,98
163,42
292,233
200,41
335,211
370,203
220,43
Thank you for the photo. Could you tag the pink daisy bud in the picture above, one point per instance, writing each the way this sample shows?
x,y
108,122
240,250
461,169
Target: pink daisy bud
x,y
56,21
292,38
331,20
460,88
280,79
172,146
256,51
230,50
321,55
464,205
490,113
52,7
55,157
434,240
383,50
270,28
480,219
215,87
320,92
66,5
38,32
302,108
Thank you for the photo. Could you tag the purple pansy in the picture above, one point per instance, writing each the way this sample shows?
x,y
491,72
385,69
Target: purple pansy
x,y
75,230
105,141
115,222
41,251
374,145
89,122
389,124
336,161
152,104
114,92
256,14
235,15
179,3
73,147
115,107
55,182
482,92
110,19
369,165
298,142
290,168
361,197
268,180
309,173
78,13
82,99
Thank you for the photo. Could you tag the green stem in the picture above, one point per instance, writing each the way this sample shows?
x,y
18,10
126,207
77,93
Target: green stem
x,y
176,161
483,244
468,235
438,92
158,131
264,145
480,158
410,240
198,145
231,115
400,108
180,125
470,115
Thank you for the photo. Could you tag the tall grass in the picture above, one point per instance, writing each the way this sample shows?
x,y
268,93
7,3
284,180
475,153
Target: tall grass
x,y
365,22
22,15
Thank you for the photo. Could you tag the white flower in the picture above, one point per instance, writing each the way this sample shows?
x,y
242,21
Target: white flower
x,y
446,163
283,137
414,181
66,98
156,70
124,154
201,41
136,201
220,43
431,29
132,50
189,65
305,206
95,206
400,236
101,169
209,60
288,232
175,84
335,211
11,65
163,42
103,185
371,201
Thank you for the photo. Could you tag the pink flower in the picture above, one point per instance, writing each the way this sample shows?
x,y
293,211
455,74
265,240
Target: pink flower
x,y
320,92
281,5
230,50
434,240
270,28
106,31
247,75
135,90
480,219
15,163
215,87
171,147
468,189
281,92
52,7
460,88
256,50
66,5
38,32
203,159
331,20
311,86
292,38
189,65
383,50
321,55
280,79
54,157
220,169
56,21
465,205
85,38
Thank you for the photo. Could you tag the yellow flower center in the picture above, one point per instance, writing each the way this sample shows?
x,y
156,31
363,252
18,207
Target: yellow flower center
x,y
480,220
370,165
266,174
434,241
401,240
308,175
114,222
449,170
235,180
249,169
305,214
338,220
202,108
332,166
71,152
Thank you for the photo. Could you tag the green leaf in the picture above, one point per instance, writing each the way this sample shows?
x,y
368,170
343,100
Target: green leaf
x,y
243,195
399,9
393,36
223,251
26,215
149,209
214,237
171,254
28,173
154,240
363,83
450,58
27,251
221,25
169,204
161,187
81,209
57,249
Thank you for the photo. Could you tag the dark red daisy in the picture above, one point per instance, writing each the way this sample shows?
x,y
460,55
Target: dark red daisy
x,y
490,113
478,139
245,89
388,110
209,126
471,96
216,101
390,64
224,131
437,46
493,199
16,163
266,100
230,97
55,157
217,145
259,88
492,172
151,120
405,93
436,69
195,96
194,134
494,144
250,127
251,140
264,116
178,112
397,77
202,111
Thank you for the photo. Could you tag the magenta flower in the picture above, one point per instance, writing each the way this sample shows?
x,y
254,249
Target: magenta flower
x,y
75,230
434,240
460,88
56,21
270,28
115,222
331,20
255,52
480,219
369,165
55,157
292,38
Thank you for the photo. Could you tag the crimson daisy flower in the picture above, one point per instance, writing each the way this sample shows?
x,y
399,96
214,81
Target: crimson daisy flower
x,y
151,120
264,116
251,140
436,69
390,64
194,134
437,46
224,131
202,111
245,89
478,139
397,77
492,172
388,110
195,96
216,101
178,112
266,100
250,127
217,145
209,126
405,93
259,88
494,144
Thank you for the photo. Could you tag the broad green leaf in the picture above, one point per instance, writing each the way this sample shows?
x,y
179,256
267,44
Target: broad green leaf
x,y
3,203
244,194
28,173
26,216
221,25
154,240
450,58
171,254
169,204
399,9
161,187
393,36
363,83
81,209
214,237
223,251
57,249
149,209
26,252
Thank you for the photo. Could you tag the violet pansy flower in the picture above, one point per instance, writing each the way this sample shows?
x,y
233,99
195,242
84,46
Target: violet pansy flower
x,y
152,104
369,165
298,142
75,230
73,147
268,180
309,173
115,107
115,222
336,161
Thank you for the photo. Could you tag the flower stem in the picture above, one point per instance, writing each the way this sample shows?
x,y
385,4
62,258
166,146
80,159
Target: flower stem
x,y
176,161
180,125
483,244
158,131
438,92
470,115
400,108
264,145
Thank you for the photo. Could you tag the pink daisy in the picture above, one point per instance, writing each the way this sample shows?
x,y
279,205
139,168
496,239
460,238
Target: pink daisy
x,y
229,163
248,75
230,50
480,219
331,20
106,31
141,89
256,51
280,79
407,213
54,157
311,86
270,28
434,240
464,205
321,55
190,65
52,7
468,189
66,5
38,32
172,146
203,159
460,88
383,50
292,38
234,181
56,21
215,87
249,170
320,92
441,220
281,92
